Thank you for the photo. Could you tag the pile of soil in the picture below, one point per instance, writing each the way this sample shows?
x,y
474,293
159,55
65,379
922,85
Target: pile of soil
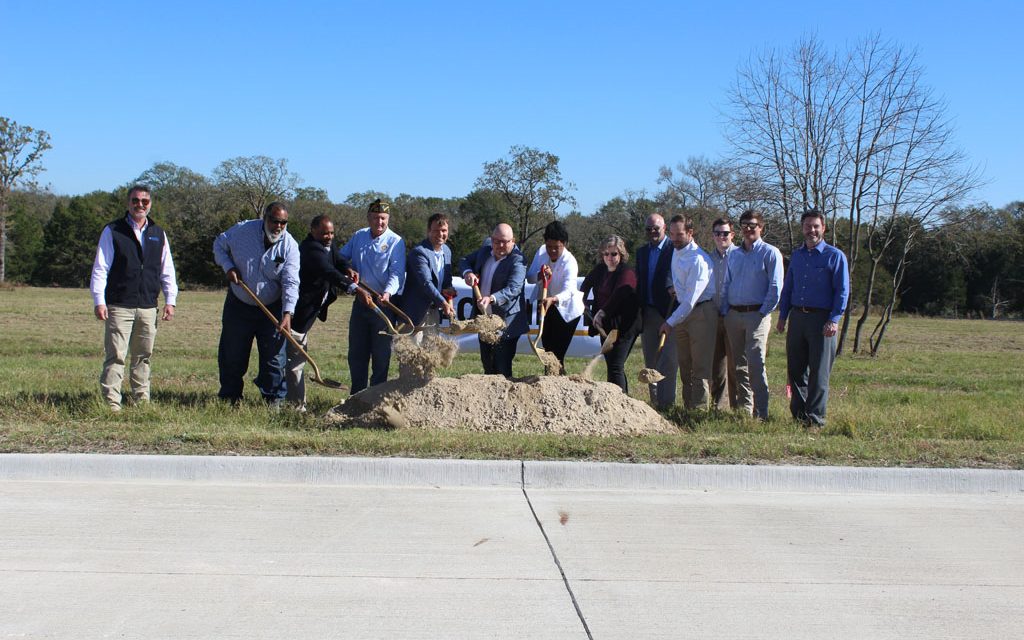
x,y
538,404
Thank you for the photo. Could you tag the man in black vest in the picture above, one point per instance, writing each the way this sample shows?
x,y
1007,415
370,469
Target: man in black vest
x,y
322,271
133,264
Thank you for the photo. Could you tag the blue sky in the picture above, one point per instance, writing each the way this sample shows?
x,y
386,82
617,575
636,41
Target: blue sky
x,y
415,97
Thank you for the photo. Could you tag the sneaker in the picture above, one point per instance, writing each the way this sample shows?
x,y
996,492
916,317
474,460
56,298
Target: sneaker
x,y
114,407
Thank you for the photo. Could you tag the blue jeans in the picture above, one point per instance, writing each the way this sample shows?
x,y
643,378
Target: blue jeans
x,y
365,346
809,358
240,324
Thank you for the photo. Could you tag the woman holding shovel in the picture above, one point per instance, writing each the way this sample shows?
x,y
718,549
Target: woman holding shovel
x,y
560,301
615,305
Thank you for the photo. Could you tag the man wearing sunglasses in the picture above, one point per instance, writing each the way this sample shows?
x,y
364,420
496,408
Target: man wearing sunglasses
x,y
753,285
264,256
133,264
723,378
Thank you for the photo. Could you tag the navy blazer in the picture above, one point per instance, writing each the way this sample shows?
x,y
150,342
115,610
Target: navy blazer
x,y
662,300
508,286
423,283
321,269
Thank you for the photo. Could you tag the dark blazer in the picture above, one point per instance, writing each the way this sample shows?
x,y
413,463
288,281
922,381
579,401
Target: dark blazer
x,y
423,283
662,300
321,269
507,287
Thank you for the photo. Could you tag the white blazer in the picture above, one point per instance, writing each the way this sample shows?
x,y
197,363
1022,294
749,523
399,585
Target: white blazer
x,y
564,274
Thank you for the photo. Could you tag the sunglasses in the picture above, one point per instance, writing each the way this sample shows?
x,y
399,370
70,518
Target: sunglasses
x,y
143,201
723,234
609,254
649,229
749,226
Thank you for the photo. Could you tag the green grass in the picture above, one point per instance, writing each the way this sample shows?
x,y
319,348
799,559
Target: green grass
x,y
942,393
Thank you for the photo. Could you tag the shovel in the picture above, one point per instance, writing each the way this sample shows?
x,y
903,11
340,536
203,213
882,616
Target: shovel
x,y
316,377
540,324
406,320
392,331
609,338
477,295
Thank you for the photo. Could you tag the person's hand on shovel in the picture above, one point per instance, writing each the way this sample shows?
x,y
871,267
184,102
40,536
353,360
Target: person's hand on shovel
x,y
233,276
364,297
449,309
285,326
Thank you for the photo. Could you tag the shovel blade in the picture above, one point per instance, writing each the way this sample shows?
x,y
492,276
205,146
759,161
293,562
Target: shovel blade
x,y
609,342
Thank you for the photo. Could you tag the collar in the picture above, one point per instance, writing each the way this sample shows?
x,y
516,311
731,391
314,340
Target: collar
x,y
757,244
131,222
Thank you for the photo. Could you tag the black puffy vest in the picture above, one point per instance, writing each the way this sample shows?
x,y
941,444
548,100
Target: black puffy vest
x,y
134,281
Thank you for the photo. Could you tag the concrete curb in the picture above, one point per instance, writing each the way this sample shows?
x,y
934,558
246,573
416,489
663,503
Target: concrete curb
x,y
412,472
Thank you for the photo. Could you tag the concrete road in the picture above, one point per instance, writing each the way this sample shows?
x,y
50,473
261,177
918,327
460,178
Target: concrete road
x,y
98,556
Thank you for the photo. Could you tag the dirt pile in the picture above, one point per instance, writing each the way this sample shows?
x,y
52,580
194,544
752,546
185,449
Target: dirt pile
x,y
544,404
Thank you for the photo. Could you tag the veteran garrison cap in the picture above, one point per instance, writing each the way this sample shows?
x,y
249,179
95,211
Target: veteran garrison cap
x,y
379,206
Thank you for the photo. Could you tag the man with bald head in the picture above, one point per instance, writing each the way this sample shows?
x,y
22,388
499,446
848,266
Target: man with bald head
x,y
499,268
653,274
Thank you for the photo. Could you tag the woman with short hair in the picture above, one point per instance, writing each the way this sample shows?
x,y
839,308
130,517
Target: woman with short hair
x,y
616,304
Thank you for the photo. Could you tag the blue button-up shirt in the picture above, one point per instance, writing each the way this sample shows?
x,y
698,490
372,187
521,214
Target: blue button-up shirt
x,y
753,278
272,274
652,264
819,278
379,261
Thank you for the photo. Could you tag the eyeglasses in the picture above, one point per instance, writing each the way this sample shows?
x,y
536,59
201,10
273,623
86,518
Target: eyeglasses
x,y
143,201
277,221
749,226
723,234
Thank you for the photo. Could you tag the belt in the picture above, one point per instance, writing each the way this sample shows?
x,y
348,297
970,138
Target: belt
x,y
701,302
745,308
810,309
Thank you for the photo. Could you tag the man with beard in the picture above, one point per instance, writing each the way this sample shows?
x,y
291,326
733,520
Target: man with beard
x,y
263,255
321,272
814,295
695,321
378,254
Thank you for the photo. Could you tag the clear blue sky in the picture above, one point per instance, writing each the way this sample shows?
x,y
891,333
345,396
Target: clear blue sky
x,y
414,96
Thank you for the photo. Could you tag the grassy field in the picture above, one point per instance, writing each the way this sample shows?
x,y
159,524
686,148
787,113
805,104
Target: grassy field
x,y
943,393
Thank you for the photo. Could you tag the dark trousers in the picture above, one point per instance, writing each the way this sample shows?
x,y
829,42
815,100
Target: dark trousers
x,y
366,345
809,358
616,359
240,324
497,358
557,333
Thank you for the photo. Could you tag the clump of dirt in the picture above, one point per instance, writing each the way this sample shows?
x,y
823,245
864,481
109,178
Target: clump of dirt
x,y
421,361
538,404
650,376
588,372
552,367
490,328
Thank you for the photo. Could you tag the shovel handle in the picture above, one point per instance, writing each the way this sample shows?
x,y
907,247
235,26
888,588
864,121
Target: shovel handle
x,y
287,334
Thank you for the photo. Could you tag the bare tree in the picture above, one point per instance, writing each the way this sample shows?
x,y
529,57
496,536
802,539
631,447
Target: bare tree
x,y
21,148
530,181
856,135
257,180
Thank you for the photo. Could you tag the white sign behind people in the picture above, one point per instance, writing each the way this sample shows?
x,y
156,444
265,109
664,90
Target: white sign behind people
x,y
582,345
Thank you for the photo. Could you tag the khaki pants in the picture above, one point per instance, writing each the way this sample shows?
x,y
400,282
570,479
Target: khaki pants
x,y
127,330
695,346
295,379
723,376
748,338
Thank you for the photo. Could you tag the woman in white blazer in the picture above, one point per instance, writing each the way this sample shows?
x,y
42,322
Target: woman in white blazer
x,y
563,305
